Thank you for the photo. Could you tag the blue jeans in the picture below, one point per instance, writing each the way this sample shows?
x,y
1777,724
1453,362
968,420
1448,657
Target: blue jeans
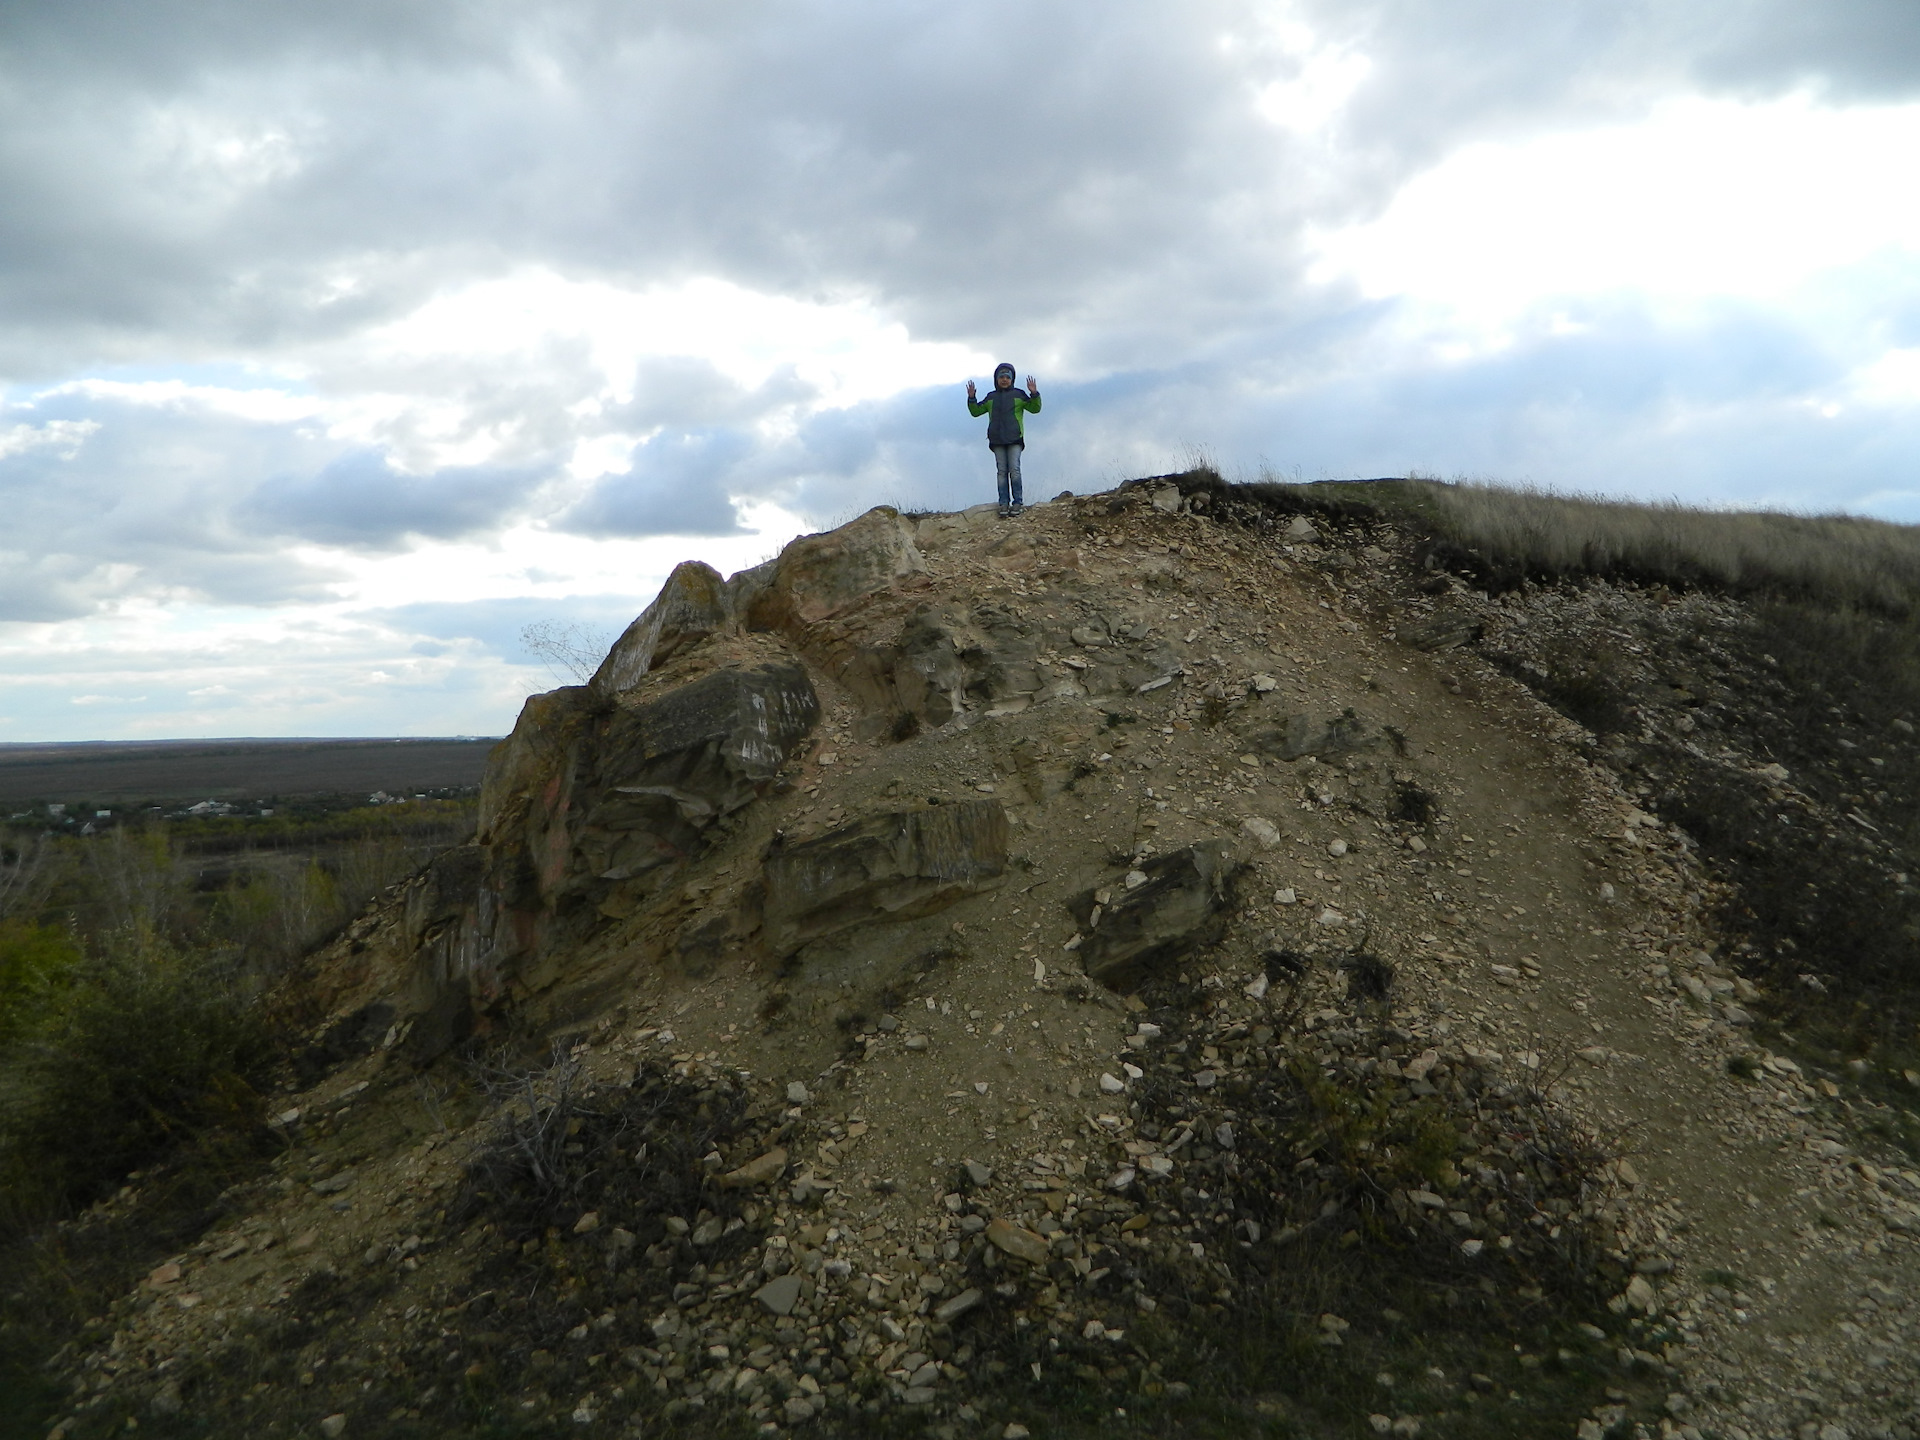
x,y
1006,471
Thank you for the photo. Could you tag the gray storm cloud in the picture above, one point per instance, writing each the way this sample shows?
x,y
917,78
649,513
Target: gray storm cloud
x,y
1101,192
221,177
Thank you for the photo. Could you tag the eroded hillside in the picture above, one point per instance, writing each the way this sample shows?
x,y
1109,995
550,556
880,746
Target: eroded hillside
x,y
1154,966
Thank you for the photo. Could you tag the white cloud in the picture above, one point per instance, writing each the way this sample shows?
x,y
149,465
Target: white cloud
x,y
569,564
265,404
839,351
64,437
1320,76
1702,198
1892,379
352,663
354,337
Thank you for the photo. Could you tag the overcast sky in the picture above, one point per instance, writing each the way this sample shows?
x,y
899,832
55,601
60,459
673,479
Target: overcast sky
x,y
340,342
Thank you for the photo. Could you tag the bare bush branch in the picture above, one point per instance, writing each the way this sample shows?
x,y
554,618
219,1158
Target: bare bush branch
x,y
571,652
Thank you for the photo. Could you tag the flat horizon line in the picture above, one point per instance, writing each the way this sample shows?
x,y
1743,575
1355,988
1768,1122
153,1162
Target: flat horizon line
x,y
255,740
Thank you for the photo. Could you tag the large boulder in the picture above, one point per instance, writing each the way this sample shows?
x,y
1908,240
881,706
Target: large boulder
x,y
813,579
819,576
930,679
1173,905
1302,735
527,759
443,891
692,605
948,663
588,809
663,772
890,867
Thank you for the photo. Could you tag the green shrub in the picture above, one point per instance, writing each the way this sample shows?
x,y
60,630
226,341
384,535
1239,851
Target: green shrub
x,y
34,960
143,1050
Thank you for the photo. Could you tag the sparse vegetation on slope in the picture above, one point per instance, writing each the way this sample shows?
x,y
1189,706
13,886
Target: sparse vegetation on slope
x,y
1772,640
135,1039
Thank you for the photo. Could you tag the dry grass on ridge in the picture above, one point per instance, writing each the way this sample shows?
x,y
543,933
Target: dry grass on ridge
x,y
1841,560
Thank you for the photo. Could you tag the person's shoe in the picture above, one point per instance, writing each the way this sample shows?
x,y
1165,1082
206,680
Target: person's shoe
x,y
1017,510
1004,512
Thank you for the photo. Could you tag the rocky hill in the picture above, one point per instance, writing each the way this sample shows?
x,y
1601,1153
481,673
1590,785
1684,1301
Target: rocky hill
x,y
1187,961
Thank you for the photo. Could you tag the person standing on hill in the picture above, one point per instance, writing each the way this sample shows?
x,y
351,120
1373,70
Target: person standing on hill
x,y
1006,430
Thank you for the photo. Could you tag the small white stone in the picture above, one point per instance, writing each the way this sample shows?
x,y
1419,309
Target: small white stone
x,y
1111,1084
1285,896
797,1093
1336,848
1261,831
1135,879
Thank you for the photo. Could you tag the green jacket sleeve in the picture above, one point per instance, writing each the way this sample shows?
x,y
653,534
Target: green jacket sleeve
x,y
979,407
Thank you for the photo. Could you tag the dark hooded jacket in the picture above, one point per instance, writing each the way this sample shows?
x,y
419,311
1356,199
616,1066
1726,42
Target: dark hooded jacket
x,y
1009,409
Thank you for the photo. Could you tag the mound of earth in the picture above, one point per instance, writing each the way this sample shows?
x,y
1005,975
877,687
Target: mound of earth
x,y
1152,966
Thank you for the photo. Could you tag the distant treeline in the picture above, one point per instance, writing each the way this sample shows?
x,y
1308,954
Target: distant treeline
x,y
176,773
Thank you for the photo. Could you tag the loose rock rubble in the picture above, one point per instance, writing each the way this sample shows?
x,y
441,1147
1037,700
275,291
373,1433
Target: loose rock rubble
x,y
972,971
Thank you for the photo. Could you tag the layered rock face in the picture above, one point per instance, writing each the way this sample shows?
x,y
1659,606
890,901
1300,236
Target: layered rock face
x,y
899,865
589,809
609,795
604,793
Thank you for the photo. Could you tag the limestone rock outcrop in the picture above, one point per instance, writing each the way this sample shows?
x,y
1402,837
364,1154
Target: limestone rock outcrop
x,y
895,866
1169,907
814,578
692,605
819,576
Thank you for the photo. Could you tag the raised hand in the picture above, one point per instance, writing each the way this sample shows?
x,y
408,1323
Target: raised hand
x,y
1033,385
972,394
